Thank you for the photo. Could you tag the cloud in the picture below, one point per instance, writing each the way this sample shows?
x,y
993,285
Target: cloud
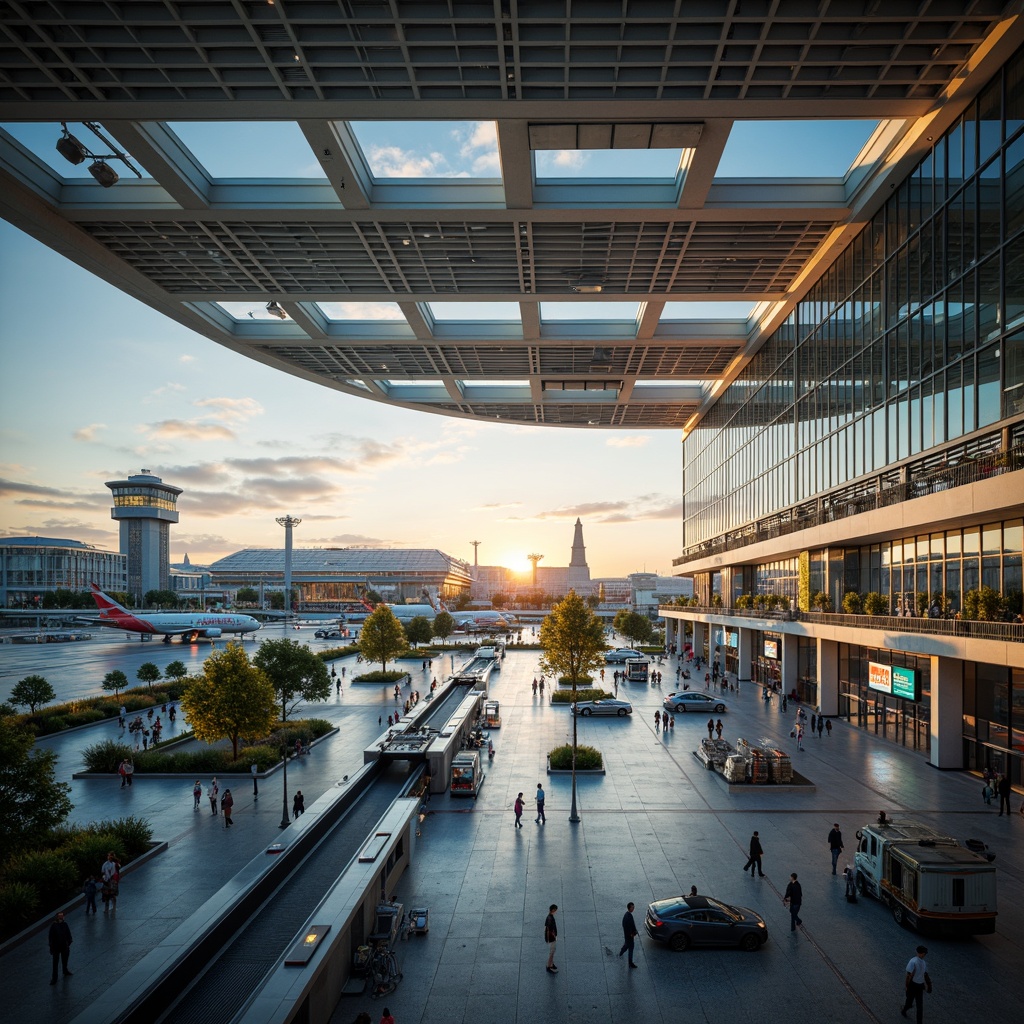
x,y
640,507
9,488
170,388
479,148
395,162
632,441
187,430
65,529
495,506
88,433
230,410
87,506
574,158
186,359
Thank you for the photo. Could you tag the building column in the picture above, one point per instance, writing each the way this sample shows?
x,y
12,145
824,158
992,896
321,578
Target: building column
x,y
828,676
671,629
790,661
947,713
698,638
745,654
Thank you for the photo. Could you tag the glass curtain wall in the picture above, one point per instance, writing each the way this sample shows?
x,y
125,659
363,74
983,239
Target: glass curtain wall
x,y
993,728
912,338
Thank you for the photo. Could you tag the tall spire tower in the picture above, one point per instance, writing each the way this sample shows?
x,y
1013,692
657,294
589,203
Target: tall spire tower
x,y
579,571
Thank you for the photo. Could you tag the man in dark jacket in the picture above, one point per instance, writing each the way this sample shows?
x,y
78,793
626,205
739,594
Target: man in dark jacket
x,y
794,898
60,946
835,844
754,860
1004,789
629,933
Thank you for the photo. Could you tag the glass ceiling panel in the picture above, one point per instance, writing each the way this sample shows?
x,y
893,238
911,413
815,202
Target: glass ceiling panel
x,y
429,149
236,149
361,311
707,310
41,139
503,312
581,164
793,149
247,311
617,311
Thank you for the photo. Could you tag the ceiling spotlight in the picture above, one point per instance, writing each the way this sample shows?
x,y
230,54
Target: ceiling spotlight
x,y
587,288
104,173
275,310
71,149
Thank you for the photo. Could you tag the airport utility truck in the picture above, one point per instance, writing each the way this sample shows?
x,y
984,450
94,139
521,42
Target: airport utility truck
x,y
928,880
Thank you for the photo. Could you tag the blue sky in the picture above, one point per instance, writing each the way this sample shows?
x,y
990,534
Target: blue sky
x,y
96,385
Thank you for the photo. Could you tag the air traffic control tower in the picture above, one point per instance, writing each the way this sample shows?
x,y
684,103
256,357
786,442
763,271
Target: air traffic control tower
x,y
145,507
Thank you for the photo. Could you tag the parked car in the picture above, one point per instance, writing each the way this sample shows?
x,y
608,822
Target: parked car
x,y
602,707
327,634
620,654
690,700
685,921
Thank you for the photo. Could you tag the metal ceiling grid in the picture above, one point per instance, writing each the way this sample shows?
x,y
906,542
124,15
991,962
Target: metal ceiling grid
x,y
546,49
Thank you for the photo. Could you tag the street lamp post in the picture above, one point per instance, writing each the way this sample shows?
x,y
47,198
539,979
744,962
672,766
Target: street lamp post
x,y
285,820
573,813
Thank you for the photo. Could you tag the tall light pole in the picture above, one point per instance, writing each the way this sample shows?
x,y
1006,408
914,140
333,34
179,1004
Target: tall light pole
x,y
574,816
289,523
285,820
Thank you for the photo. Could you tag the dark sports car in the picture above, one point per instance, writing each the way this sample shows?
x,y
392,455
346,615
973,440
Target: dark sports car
x,y
685,921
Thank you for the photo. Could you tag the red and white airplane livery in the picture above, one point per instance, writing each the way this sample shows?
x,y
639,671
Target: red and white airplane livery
x,y
190,626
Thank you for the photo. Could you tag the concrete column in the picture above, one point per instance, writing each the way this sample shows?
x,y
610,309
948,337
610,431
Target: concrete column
x,y
671,629
947,712
699,629
790,661
828,676
745,654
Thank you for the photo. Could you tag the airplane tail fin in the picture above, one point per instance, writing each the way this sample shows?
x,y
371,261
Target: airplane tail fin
x,y
107,605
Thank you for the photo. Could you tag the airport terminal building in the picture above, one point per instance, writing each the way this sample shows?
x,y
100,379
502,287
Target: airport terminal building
x,y
31,567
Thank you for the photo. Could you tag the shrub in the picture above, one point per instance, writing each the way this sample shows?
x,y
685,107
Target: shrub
x,y
333,653
18,903
88,850
875,604
587,758
582,681
821,602
380,677
852,603
264,756
565,696
135,834
52,874
744,601
105,756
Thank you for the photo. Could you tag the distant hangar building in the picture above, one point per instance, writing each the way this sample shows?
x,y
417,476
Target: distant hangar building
x,y
33,566
333,577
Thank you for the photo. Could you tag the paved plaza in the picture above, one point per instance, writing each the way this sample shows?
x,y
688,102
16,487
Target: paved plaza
x,y
654,825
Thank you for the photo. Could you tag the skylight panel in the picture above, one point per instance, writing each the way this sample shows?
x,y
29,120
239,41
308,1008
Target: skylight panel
x,y
243,149
607,164
503,312
706,311
793,149
247,311
361,312
408,150
41,140
617,311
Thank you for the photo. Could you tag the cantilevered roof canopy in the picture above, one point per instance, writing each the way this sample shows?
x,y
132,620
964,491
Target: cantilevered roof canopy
x,y
354,251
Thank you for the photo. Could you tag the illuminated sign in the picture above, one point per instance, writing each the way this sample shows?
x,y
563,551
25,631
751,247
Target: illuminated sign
x,y
900,682
732,639
771,649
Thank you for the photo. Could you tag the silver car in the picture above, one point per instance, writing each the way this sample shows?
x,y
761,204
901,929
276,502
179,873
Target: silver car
x,y
691,700
620,654
602,707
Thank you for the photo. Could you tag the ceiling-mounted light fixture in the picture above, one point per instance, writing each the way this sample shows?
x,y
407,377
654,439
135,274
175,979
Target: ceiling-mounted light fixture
x,y
70,148
587,288
275,310
75,151
104,173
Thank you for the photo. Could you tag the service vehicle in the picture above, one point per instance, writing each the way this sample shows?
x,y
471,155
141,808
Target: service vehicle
x,y
638,670
693,700
620,708
467,775
927,879
620,654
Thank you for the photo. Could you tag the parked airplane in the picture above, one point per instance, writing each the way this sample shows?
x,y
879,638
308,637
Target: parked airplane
x,y
190,626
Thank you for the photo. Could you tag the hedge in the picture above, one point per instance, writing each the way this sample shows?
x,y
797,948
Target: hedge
x,y
567,696
380,677
587,758
567,681
333,653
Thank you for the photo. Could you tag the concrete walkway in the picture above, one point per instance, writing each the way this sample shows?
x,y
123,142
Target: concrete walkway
x,y
654,825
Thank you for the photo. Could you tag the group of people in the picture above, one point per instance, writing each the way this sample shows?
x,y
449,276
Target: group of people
x,y
998,786
715,728
520,806
664,719
106,885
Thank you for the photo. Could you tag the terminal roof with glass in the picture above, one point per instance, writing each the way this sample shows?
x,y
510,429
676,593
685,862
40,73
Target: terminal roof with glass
x,y
573,212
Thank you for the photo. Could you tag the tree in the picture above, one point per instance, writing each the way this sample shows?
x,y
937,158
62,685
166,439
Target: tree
x,y
461,602
636,628
246,595
593,600
382,637
32,692
418,630
115,680
231,699
31,800
499,601
176,670
444,626
295,673
147,673
572,639
161,599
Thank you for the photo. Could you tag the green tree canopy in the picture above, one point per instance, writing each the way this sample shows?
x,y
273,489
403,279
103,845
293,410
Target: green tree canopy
x,y
593,600
115,680
461,602
161,599
636,628
231,699
247,595
294,671
382,637
572,639
31,800
444,626
147,673
32,692
418,630
176,670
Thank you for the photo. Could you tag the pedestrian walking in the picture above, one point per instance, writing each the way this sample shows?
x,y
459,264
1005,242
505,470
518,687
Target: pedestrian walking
x,y
828,727
227,801
385,1017
821,725
784,704
917,982
657,719
60,945
754,860
197,794
519,811
213,792
298,804
89,892
539,797
121,772
793,899
671,721
718,728
629,933
799,737
835,844
253,769
987,792
1004,789
129,772
111,875
814,722
711,728
551,937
